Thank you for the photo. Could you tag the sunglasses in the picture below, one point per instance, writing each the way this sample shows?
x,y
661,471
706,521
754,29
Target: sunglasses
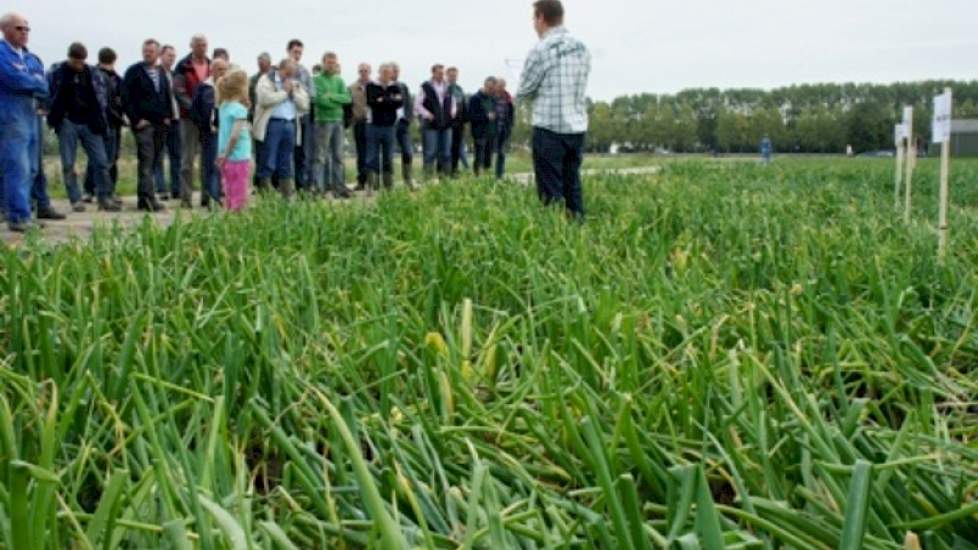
x,y
23,29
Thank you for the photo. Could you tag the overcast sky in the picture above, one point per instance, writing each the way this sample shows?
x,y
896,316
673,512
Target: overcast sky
x,y
637,45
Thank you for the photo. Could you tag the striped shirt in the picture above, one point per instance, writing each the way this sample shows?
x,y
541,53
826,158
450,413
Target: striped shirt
x,y
555,80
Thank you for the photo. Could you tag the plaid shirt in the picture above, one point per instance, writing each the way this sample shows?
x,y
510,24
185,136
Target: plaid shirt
x,y
555,78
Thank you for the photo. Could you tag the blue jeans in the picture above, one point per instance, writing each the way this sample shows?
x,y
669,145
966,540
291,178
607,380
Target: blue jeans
x,y
19,142
211,187
502,148
437,147
111,142
279,147
380,145
69,134
173,149
557,166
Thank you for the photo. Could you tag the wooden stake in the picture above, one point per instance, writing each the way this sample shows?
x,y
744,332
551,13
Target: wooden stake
x,y
942,212
911,161
899,173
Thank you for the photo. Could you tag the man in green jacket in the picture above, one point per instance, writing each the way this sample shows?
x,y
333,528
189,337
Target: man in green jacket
x,y
330,95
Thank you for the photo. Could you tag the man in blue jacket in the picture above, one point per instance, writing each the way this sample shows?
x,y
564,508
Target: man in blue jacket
x,y
22,83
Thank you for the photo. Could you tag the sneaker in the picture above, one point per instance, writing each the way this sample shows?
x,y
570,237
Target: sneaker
x,y
49,213
78,206
88,198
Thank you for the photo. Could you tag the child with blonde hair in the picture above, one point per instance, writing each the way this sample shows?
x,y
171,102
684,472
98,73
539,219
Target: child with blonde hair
x,y
234,138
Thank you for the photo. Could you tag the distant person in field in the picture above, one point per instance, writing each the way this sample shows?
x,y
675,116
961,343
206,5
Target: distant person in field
x,y
505,119
172,143
767,149
358,93
555,80
459,119
402,130
234,139
482,117
21,84
437,109
305,147
264,66
203,112
148,102
383,99
281,103
331,95
190,72
79,114
113,137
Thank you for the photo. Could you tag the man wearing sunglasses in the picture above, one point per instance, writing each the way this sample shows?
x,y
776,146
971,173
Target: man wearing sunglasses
x,y
22,84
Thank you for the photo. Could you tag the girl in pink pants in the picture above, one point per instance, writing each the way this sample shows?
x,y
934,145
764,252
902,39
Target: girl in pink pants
x,y
234,139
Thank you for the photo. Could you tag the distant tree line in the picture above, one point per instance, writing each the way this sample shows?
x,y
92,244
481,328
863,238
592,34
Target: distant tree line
x,y
810,118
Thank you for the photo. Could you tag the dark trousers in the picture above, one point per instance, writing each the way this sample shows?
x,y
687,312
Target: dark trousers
x,y
149,147
484,146
39,189
305,153
458,134
173,149
557,166
211,186
360,139
403,137
380,149
502,148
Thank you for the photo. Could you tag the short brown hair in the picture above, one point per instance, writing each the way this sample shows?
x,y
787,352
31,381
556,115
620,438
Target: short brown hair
x,y
552,11
437,66
77,51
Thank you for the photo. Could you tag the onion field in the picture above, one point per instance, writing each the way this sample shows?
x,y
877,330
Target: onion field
x,y
724,355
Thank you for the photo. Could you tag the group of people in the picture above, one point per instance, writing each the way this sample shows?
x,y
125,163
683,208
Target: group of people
x,y
290,119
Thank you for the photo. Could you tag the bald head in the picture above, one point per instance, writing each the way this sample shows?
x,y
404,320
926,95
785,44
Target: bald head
x,y
15,29
198,46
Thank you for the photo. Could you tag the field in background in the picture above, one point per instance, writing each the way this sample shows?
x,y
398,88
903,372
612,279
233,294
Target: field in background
x,y
725,355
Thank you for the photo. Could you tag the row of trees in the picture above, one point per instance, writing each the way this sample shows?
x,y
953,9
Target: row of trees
x,y
811,118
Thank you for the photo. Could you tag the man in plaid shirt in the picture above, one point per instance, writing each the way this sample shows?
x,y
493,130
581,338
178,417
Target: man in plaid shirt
x,y
555,79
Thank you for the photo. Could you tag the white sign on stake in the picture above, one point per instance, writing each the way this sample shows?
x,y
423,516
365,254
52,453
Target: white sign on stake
x,y
899,134
942,118
907,115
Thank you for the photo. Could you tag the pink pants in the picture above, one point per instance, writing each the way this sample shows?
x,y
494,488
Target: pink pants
x,y
235,179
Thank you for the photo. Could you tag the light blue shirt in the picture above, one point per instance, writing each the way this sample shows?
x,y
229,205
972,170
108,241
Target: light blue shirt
x,y
285,110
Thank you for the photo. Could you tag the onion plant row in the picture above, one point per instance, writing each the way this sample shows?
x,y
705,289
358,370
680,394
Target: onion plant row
x,y
722,356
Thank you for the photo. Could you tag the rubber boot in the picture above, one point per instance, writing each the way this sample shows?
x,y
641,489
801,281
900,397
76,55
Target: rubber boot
x,y
263,184
371,183
388,180
286,186
408,176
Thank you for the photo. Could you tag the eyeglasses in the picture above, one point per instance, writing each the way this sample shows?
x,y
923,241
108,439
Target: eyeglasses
x,y
23,29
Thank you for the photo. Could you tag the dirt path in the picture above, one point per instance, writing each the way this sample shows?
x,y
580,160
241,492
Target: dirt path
x,y
81,225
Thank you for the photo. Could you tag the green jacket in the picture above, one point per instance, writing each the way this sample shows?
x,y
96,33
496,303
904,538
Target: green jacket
x,y
330,96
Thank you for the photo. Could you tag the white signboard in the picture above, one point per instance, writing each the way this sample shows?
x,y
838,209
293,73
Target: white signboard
x,y
907,115
942,118
899,134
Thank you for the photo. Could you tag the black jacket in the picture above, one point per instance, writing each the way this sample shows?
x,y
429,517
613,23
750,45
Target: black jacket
x,y
480,106
141,100
97,120
203,110
384,103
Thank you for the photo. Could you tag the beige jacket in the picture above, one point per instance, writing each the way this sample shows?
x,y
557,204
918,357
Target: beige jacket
x,y
267,97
